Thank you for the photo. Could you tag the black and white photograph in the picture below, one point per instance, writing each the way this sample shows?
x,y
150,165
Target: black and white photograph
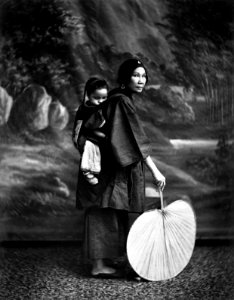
x,y
116,149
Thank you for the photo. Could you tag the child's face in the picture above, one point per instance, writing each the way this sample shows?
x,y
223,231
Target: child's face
x,y
98,96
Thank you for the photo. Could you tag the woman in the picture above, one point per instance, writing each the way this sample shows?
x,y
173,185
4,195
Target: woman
x,y
121,186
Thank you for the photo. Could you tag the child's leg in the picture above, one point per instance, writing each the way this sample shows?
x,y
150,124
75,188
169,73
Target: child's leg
x,y
91,178
91,162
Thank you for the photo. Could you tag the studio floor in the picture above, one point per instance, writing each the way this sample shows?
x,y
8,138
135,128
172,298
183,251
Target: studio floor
x,y
56,271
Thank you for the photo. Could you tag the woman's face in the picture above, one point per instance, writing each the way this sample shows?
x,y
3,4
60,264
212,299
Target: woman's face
x,y
98,96
137,80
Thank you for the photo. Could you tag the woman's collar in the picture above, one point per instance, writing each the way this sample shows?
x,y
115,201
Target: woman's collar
x,y
126,91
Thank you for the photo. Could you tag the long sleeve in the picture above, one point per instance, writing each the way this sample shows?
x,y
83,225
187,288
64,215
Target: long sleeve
x,y
128,140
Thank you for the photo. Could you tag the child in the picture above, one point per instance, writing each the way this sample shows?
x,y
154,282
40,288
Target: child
x,y
89,117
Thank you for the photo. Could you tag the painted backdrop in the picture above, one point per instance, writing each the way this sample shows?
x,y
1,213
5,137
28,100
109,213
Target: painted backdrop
x,y
187,108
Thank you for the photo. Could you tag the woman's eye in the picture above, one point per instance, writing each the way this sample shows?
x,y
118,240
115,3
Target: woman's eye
x,y
138,75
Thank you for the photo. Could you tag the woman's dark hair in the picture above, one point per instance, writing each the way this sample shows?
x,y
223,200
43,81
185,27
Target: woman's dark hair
x,y
93,84
126,70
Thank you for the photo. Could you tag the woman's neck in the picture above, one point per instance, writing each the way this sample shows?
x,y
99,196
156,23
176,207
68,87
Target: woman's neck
x,y
126,91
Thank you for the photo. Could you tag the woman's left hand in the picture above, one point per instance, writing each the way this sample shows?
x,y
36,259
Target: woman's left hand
x,y
157,175
160,181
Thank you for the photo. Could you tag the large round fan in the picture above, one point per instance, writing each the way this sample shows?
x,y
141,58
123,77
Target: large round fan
x,y
161,241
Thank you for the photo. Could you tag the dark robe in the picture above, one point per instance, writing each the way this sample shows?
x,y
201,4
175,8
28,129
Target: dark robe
x,y
90,117
121,180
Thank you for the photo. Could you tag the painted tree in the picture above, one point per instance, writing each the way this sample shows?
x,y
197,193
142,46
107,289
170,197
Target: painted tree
x,y
36,44
202,42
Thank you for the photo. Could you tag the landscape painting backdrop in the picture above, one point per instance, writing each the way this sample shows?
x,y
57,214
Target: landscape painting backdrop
x,y
49,48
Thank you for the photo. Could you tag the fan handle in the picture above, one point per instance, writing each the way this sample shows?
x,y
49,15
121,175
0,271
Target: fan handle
x,y
161,198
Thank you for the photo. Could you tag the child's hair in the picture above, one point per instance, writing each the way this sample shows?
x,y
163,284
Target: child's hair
x,y
93,84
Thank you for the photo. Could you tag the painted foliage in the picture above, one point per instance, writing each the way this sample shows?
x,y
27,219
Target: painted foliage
x,y
187,108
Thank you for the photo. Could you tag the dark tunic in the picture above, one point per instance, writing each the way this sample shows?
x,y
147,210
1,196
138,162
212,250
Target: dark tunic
x,y
92,118
121,180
